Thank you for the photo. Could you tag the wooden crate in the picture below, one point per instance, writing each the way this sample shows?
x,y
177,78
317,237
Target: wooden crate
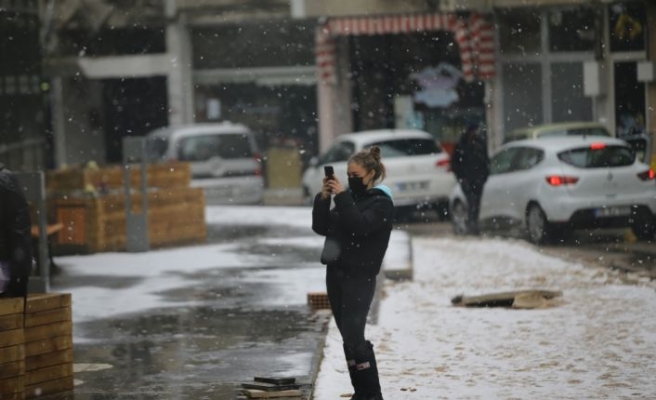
x,y
12,349
97,223
48,344
161,175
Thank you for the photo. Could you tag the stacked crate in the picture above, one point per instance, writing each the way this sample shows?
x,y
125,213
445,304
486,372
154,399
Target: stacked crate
x,y
97,223
48,344
94,219
12,349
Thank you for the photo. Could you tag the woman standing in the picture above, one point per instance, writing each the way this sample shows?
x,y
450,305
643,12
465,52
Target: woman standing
x,y
357,233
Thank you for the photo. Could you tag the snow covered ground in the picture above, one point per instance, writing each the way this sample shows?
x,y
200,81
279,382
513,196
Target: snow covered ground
x,y
597,342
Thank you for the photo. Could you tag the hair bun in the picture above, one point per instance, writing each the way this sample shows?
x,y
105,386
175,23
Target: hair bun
x,y
375,151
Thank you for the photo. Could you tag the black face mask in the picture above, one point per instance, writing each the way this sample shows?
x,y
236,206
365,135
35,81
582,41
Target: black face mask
x,y
357,186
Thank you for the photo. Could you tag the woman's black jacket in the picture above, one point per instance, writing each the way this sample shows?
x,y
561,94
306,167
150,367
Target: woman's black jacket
x,y
357,230
15,226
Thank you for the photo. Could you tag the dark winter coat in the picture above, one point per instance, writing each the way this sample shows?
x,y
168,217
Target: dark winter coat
x,y
15,227
357,230
470,162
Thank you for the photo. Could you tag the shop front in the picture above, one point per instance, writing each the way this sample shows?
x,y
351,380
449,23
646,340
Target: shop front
x,y
429,72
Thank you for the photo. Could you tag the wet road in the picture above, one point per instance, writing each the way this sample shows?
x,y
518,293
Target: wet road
x,y
242,322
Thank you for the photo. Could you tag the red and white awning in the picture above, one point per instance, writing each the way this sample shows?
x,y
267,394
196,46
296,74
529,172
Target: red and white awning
x,y
474,35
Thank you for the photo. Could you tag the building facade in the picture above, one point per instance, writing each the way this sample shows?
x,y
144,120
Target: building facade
x,y
555,62
23,112
305,71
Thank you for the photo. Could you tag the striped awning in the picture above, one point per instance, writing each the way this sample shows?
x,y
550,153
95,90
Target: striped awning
x,y
474,35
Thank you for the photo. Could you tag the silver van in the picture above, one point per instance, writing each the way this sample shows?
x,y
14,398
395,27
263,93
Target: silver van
x,y
224,159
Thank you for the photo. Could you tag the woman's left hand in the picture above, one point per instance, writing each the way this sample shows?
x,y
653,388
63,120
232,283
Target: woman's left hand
x,y
335,186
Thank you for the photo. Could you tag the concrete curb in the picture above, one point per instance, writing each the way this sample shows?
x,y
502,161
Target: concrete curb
x,y
400,267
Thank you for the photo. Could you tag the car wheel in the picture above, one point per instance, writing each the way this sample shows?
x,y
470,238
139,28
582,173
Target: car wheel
x,y
538,228
459,218
644,230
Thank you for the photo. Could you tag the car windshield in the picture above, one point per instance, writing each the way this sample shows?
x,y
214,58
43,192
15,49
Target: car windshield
x,y
594,131
407,147
204,147
598,156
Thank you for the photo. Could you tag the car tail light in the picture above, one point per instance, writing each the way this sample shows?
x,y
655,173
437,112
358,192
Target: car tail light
x,y
444,163
560,180
648,175
597,146
258,160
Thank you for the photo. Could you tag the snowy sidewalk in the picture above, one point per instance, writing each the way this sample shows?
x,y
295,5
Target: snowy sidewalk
x,y
597,342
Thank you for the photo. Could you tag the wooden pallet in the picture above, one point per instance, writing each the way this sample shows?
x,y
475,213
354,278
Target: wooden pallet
x,y
12,349
516,299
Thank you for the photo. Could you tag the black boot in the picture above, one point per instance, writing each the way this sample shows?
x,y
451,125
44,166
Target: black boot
x,y
350,362
366,374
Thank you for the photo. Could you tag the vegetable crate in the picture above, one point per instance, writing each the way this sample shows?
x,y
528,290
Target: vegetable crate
x,y
36,346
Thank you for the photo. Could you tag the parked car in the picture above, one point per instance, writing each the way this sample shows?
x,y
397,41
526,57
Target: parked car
x,y
558,129
553,186
418,169
640,142
224,159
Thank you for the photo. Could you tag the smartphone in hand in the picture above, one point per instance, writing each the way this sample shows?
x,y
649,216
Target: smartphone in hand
x,y
329,171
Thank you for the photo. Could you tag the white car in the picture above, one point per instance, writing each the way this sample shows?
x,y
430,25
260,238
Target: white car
x,y
418,169
224,159
550,186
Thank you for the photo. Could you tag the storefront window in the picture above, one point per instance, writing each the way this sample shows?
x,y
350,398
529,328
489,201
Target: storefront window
x,y
522,95
519,31
572,30
569,103
627,26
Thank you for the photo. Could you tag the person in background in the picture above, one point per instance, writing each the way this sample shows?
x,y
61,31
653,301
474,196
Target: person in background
x,y
471,165
357,231
15,237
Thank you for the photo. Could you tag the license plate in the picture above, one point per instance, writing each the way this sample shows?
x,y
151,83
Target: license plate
x,y
405,186
620,211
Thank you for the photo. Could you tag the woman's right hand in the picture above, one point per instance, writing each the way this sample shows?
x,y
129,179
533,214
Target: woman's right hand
x,y
331,186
